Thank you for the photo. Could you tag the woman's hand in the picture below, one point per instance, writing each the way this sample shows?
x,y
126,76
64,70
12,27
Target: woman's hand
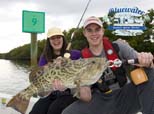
x,y
85,93
58,85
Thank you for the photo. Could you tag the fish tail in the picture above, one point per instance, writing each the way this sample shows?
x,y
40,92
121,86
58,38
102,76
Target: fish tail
x,y
19,103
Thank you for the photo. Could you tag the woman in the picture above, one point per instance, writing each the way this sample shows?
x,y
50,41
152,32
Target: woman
x,y
60,98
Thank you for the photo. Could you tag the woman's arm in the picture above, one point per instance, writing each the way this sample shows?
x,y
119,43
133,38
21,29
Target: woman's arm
x,y
75,54
42,61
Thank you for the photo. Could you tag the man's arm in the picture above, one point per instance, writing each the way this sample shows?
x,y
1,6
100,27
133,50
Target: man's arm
x,y
145,59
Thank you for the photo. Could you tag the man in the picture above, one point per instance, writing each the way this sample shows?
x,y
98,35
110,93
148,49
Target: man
x,y
113,95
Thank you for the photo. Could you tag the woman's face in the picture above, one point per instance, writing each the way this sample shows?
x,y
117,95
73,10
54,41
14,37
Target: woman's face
x,y
56,42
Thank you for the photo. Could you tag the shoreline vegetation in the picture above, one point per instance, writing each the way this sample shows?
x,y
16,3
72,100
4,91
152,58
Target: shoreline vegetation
x,y
21,52
140,42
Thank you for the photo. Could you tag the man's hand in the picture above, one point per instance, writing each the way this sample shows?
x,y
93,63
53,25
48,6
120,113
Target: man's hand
x,y
85,93
145,59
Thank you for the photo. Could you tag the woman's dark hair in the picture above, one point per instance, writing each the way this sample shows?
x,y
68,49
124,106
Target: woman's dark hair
x,y
48,52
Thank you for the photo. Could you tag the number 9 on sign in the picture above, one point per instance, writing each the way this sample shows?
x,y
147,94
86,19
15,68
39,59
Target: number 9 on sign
x,y
34,20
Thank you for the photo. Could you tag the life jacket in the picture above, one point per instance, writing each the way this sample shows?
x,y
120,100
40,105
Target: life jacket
x,y
111,50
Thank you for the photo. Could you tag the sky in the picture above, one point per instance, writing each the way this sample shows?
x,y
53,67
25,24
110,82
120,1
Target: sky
x,y
65,14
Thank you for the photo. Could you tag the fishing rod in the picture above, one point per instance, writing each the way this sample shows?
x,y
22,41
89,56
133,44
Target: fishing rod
x,y
118,62
67,55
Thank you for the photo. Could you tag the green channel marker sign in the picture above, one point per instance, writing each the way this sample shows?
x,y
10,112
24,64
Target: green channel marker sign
x,y
33,22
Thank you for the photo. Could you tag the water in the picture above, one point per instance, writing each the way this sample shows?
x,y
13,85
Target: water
x,y
13,76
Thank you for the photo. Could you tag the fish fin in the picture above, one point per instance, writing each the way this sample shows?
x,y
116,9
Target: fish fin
x,y
77,92
18,103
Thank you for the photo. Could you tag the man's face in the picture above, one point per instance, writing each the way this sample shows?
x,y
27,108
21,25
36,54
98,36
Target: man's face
x,y
94,34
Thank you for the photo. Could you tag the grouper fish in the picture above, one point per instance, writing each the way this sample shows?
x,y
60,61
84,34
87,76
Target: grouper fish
x,y
72,73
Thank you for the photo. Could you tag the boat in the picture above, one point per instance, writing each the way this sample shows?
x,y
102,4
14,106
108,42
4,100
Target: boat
x,y
4,98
